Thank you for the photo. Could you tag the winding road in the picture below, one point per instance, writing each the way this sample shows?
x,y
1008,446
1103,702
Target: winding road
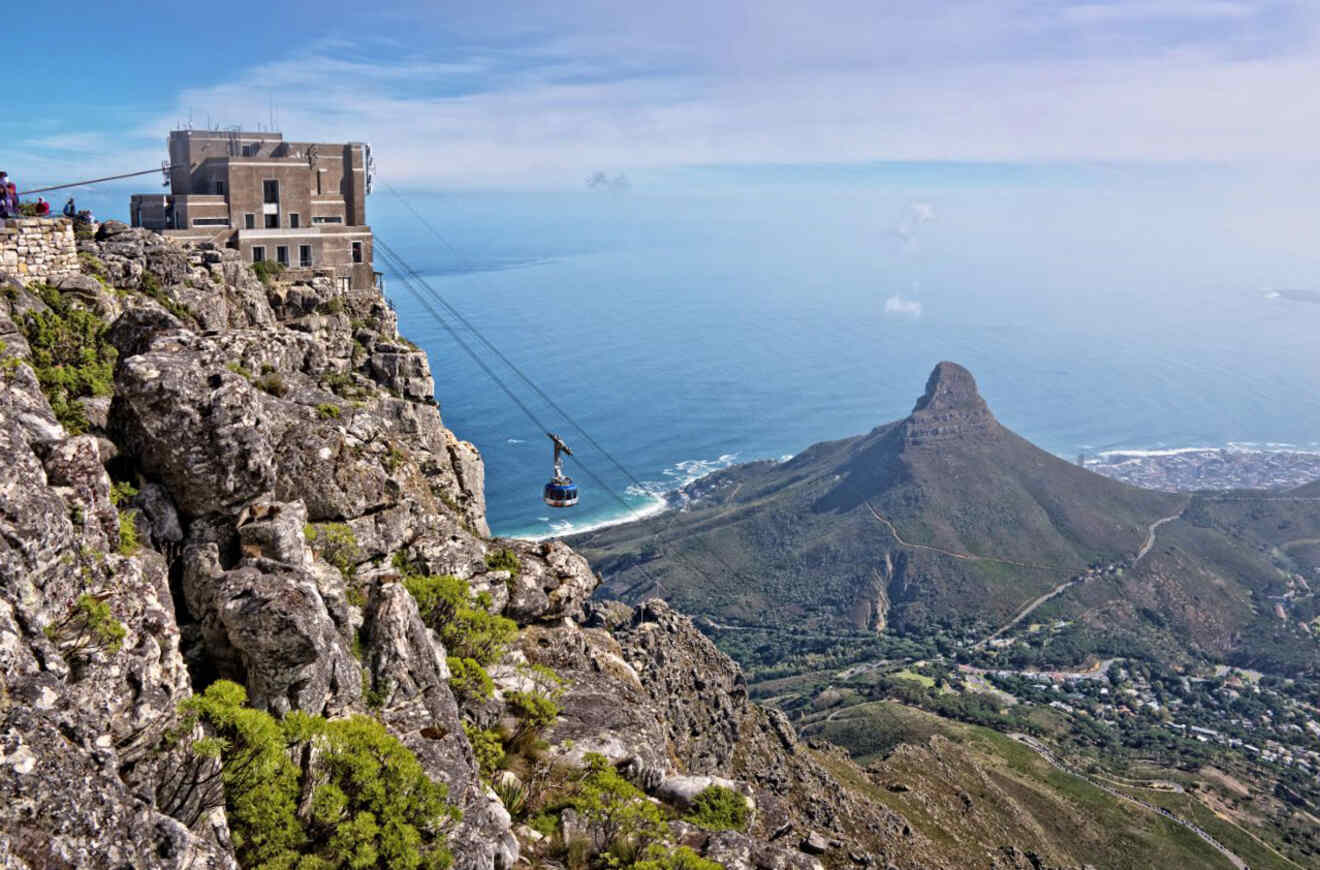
x,y
1037,747
1026,611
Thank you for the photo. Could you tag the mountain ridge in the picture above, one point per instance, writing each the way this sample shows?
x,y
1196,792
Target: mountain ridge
x,y
945,495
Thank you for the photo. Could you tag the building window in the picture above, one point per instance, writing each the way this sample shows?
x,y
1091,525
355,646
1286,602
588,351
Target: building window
x,y
249,221
270,191
210,222
357,252
258,253
295,220
318,181
305,256
328,219
273,221
343,285
219,188
282,254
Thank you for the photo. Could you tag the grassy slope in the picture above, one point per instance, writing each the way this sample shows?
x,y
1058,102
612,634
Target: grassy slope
x,y
972,790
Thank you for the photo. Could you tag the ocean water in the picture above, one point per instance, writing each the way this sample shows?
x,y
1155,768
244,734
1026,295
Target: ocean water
x,y
707,317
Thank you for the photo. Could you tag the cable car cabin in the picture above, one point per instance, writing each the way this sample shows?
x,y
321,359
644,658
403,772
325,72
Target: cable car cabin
x,y
561,493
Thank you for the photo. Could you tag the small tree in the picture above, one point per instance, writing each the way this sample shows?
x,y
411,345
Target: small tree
x,y
618,816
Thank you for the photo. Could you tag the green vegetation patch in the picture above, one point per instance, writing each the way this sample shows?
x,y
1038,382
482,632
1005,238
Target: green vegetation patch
x,y
718,808
362,801
504,559
70,356
268,270
87,627
336,543
466,627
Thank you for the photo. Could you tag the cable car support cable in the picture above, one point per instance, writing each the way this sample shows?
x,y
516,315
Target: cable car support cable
x,y
532,384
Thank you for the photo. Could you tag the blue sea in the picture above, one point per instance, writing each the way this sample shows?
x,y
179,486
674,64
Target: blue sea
x,y
708,316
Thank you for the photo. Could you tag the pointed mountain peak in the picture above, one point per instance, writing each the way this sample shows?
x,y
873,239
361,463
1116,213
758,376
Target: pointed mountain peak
x,y
950,387
951,408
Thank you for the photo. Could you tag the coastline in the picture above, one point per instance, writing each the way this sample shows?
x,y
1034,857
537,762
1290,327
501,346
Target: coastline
x,y
1236,465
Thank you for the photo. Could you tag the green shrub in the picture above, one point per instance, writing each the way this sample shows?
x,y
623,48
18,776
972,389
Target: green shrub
x,y
239,370
468,631
469,681
128,537
327,411
268,270
536,710
617,816
89,625
8,364
345,385
121,491
504,559
70,356
718,808
371,803
487,747
336,543
659,858
335,305
274,384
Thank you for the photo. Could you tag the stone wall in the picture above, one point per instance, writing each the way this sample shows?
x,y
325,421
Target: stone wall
x,y
37,249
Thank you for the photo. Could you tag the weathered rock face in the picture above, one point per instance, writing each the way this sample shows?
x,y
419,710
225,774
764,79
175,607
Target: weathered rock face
x,y
950,408
288,457
80,722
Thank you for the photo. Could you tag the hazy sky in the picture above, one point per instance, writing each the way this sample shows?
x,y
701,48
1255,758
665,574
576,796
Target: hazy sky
x,y
513,93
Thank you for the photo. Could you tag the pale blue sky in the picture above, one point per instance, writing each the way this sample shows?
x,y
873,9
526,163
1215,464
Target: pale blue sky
x,y
516,94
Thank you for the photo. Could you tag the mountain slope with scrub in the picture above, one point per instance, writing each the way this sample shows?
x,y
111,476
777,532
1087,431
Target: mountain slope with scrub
x,y
946,523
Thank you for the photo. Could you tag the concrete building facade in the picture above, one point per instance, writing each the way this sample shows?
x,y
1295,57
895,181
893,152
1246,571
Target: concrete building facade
x,y
301,204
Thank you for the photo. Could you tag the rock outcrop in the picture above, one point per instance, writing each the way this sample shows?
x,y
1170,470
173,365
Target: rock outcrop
x,y
270,466
950,408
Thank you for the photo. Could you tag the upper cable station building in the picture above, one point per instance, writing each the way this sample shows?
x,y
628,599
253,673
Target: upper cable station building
x,y
300,204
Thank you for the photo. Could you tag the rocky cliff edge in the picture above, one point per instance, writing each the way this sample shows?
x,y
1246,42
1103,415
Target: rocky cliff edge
x,y
210,476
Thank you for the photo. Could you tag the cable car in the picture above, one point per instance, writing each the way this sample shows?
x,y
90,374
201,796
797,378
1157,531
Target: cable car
x,y
561,491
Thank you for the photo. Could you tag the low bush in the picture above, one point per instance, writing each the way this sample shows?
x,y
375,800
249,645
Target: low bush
x,y
268,270
336,543
504,559
327,411
682,858
618,818
467,629
469,681
274,384
718,808
369,802
487,747
70,356
88,626
128,536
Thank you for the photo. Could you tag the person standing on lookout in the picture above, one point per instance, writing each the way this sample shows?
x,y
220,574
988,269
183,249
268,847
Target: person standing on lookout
x,y
70,210
43,207
5,209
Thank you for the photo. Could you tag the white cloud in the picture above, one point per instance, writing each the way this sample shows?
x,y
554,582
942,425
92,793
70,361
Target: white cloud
x,y
844,81
898,306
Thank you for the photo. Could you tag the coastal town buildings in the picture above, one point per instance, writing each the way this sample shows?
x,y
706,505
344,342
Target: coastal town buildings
x,y
299,204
